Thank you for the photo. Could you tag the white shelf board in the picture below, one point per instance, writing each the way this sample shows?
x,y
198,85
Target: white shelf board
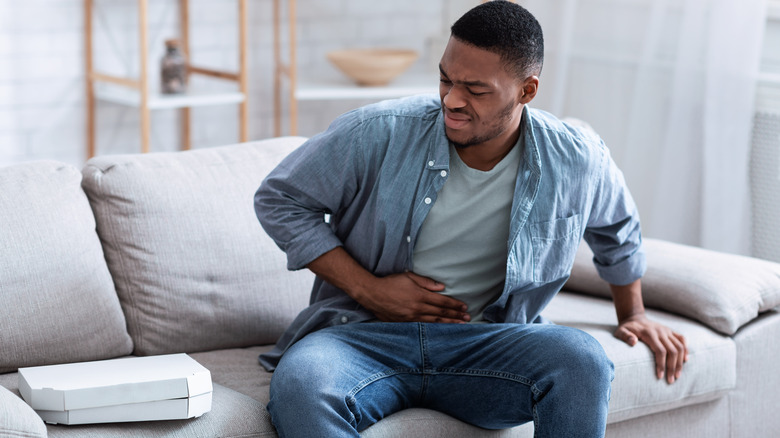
x,y
129,97
344,89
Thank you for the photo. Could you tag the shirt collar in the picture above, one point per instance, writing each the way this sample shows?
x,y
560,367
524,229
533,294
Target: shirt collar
x,y
439,149
531,157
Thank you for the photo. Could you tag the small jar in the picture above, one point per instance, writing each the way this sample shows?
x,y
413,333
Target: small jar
x,y
173,67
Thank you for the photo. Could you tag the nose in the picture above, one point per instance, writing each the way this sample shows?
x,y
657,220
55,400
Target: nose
x,y
451,96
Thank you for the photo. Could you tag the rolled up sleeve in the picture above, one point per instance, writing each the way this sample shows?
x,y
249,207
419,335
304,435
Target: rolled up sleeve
x,y
314,180
613,231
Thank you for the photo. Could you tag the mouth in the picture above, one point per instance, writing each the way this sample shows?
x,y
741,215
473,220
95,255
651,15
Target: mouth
x,y
455,120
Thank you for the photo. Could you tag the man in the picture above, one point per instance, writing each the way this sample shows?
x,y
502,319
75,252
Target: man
x,y
452,223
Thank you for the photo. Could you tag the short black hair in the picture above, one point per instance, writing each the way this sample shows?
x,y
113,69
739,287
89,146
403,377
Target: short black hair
x,y
507,29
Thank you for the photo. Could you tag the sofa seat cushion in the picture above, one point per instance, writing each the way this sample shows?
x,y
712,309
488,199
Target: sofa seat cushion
x,y
240,370
193,268
57,298
232,415
722,291
709,373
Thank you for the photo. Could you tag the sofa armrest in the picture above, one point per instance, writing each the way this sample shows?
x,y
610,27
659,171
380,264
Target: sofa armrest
x,y
17,418
722,291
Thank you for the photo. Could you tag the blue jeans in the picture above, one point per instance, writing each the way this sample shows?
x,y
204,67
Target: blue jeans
x,y
340,380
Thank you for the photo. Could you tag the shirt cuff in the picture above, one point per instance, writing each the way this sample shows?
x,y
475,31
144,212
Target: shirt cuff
x,y
309,245
625,271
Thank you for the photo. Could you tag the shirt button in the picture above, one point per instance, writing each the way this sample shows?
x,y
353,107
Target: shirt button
x,y
431,163
427,200
443,173
408,239
344,320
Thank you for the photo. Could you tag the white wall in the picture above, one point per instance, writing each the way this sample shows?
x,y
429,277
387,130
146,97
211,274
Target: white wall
x,y
42,86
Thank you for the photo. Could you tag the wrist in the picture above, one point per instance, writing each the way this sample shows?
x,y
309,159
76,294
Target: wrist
x,y
628,301
338,268
636,316
361,285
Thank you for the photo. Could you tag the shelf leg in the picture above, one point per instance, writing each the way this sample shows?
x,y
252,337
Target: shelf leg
x,y
143,49
277,71
243,71
186,141
185,113
293,70
90,128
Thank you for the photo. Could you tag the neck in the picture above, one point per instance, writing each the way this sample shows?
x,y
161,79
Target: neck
x,y
485,156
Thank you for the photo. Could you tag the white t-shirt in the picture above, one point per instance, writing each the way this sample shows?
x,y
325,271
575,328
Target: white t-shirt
x,y
463,241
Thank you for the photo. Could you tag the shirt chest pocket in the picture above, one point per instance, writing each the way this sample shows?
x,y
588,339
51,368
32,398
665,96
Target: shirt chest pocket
x,y
554,247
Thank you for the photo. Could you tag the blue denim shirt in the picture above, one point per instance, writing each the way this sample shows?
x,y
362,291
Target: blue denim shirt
x,y
377,170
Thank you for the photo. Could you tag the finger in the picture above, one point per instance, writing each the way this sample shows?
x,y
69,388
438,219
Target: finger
x,y
441,320
626,336
681,354
659,351
443,301
459,314
429,313
423,314
672,355
681,338
426,282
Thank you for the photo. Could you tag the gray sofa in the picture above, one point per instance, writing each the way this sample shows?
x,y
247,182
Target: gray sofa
x,y
161,253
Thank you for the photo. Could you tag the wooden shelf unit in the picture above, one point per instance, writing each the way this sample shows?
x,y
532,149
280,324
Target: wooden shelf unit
x,y
305,90
135,92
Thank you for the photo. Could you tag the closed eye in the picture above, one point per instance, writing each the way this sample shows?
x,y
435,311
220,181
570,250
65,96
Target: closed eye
x,y
448,83
444,80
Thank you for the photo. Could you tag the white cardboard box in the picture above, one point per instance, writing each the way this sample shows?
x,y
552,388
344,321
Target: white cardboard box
x,y
125,382
173,409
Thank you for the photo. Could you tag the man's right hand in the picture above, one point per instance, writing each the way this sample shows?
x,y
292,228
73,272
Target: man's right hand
x,y
408,297
404,297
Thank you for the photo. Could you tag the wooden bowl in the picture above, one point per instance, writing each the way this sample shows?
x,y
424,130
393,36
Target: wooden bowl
x,y
373,67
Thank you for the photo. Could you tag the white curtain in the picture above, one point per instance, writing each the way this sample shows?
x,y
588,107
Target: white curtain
x,y
670,86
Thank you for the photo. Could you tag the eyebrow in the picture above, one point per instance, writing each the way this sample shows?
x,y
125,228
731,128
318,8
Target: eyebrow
x,y
466,83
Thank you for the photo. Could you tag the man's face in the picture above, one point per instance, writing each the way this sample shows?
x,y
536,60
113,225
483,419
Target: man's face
x,y
480,99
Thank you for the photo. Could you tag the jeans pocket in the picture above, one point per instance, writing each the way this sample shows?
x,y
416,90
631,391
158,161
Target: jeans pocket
x,y
555,245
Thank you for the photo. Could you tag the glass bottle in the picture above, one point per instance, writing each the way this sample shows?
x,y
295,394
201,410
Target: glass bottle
x,y
173,67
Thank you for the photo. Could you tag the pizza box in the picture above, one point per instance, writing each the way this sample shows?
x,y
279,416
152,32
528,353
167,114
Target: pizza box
x,y
85,385
173,409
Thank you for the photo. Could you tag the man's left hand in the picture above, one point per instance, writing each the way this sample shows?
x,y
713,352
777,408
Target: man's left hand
x,y
669,348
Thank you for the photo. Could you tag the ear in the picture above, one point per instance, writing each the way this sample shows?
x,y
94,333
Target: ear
x,y
529,89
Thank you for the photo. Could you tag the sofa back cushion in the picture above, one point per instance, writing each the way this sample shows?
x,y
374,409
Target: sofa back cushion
x,y
722,291
57,299
193,269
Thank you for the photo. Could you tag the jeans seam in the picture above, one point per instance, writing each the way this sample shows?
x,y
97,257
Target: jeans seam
x,y
424,363
484,373
379,376
423,346
536,419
